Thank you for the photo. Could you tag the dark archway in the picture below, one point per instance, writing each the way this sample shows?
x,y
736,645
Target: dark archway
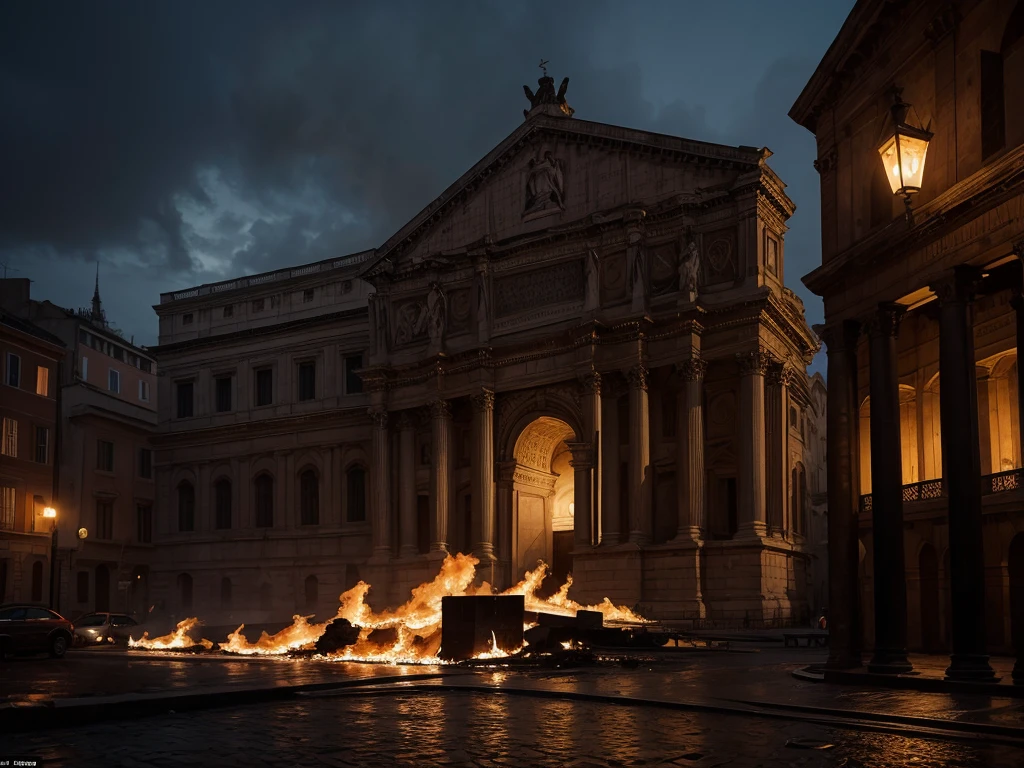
x,y
1015,566
102,588
931,631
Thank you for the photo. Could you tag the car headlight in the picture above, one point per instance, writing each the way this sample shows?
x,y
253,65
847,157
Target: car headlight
x,y
99,639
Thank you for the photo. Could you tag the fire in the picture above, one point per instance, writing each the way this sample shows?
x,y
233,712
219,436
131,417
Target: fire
x,y
409,634
176,640
495,652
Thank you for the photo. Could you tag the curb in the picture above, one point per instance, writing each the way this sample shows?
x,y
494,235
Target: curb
x,y
908,683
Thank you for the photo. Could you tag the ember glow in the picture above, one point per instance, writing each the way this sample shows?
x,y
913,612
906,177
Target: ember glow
x,y
409,634
177,640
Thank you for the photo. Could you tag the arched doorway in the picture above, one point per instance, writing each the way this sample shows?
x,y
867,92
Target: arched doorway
x,y
931,632
102,588
543,501
1015,566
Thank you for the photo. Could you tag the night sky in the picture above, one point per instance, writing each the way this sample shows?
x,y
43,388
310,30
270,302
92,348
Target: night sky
x,y
188,142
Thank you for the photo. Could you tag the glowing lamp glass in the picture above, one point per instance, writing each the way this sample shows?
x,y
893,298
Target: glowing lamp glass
x,y
50,512
903,157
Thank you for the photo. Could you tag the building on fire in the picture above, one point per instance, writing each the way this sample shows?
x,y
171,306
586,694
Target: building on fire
x,y
918,111
581,352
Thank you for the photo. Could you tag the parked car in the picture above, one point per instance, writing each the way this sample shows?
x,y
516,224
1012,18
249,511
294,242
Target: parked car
x,y
103,627
30,628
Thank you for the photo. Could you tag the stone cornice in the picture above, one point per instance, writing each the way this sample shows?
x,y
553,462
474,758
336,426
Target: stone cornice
x,y
339,417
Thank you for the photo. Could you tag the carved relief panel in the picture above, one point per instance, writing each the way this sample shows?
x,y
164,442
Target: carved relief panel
x,y
664,269
459,310
556,284
771,254
410,321
613,277
720,259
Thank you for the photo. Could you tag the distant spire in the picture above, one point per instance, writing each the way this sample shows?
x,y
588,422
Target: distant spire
x,y
97,305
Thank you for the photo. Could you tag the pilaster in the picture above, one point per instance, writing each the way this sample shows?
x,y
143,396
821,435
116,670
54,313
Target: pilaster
x,y
640,480
381,478
408,545
483,466
779,378
582,462
753,367
441,422
690,450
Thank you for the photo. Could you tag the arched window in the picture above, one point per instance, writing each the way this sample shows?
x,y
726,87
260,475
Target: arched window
x,y
185,592
264,486
225,592
309,498
355,479
222,503
266,596
186,506
37,581
312,593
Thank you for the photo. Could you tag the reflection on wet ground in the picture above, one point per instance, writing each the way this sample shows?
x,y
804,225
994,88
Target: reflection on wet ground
x,y
486,730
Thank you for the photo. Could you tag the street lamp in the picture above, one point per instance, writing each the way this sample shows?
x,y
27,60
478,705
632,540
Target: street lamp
x,y
903,152
51,514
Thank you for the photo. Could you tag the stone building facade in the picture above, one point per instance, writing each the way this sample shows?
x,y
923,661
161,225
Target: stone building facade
x,y
924,481
581,352
105,494
29,360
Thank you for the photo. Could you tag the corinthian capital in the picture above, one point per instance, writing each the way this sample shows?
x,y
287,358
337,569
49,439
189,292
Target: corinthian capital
x,y
591,381
780,375
379,416
637,377
756,361
440,409
693,369
483,401
885,321
957,286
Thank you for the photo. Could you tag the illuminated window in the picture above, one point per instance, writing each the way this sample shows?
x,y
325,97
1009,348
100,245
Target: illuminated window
x,y
10,438
42,380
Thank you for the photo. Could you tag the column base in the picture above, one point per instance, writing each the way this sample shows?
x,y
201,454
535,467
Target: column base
x,y
752,530
640,539
438,552
970,666
886,662
487,568
688,535
408,551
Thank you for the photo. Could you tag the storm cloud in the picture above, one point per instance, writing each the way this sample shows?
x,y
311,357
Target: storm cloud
x,y
187,142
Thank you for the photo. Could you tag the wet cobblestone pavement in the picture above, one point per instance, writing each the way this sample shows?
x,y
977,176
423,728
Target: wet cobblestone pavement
x,y
457,729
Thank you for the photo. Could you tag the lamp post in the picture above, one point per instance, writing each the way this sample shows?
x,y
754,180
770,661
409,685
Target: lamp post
x,y
903,150
51,514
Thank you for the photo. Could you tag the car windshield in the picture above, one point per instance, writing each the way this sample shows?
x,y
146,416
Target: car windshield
x,y
92,621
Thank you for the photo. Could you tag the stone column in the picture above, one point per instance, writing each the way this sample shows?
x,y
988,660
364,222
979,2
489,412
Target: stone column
x,y
610,534
441,419
591,404
483,469
753,366
408,544
381,478
841,434
1018,305
640,479
890,583
777,450
958,411
503,536
582,462
690,478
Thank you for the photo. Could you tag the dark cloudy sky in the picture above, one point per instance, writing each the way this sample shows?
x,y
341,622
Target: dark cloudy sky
x,y
187,142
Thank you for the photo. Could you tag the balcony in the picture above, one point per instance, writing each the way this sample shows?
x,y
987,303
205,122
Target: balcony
x,y
1001,482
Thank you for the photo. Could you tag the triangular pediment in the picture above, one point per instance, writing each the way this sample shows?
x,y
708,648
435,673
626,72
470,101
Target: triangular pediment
x,y
555,172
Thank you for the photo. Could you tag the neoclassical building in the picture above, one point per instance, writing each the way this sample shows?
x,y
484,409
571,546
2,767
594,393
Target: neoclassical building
x,y
581,352
923,323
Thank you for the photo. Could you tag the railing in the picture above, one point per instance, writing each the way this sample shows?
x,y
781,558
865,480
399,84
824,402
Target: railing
x,y
266,277
1000,482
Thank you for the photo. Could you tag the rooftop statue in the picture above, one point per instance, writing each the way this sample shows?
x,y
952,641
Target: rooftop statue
x,y
546,94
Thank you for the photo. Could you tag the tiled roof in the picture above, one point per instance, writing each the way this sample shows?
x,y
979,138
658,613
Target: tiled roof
x,y
31,329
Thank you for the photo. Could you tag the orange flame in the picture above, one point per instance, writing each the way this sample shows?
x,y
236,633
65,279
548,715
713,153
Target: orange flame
x,y
178,639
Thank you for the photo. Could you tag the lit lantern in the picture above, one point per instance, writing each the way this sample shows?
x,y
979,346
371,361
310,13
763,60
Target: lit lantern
x,y
903,151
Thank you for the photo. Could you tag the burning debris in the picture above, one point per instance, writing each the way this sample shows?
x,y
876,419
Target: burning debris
x,y
408,634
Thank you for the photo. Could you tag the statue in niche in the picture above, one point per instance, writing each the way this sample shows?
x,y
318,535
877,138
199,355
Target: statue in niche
x,y
482,315
689,271
545,187
409,323
592,271
436,315
637,271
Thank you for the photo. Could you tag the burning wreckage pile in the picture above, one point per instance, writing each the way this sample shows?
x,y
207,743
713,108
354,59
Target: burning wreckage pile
x,y
481,624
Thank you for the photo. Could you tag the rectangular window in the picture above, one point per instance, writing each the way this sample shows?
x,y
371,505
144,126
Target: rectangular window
x,y
307,295
13,370
114,381
229,311
104,520
42,445
307,380
222,393
7,498
186,319
42,380
264,386
145,463
10,438
144,514
184,399
353,384
146,365
144,391
104,456
85,369
257,305
119,354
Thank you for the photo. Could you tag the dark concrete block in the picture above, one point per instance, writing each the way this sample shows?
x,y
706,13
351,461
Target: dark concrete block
x,y
467,624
